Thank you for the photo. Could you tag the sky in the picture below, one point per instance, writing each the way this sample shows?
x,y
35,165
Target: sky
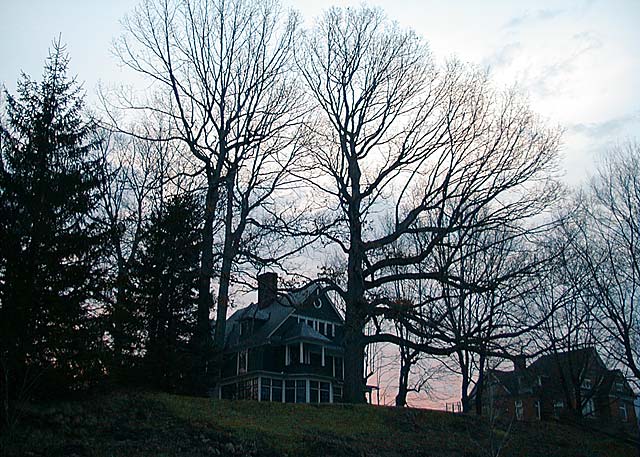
x,y
577,60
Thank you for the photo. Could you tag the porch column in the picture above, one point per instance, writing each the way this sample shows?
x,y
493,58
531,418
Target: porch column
x,y
287,355
301,352
323,355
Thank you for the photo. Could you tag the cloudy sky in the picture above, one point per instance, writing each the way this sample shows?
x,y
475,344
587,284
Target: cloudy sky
x,y
578,60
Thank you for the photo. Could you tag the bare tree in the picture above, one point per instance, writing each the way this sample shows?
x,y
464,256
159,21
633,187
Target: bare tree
x,y
608,245
222,68
494,316
136,177
415,373
398,136
572,330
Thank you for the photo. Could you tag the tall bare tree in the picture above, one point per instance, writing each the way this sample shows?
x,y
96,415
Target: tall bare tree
x,y
572,330
608,245
136,175
399,137
222,67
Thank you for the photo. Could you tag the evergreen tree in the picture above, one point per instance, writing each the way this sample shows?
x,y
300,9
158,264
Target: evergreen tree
x,y
49,246
165,275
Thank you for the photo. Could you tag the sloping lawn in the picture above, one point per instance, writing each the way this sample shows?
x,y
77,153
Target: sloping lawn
x,y
154,424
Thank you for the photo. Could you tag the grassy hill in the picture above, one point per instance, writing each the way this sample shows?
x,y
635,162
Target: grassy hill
x,y
152,424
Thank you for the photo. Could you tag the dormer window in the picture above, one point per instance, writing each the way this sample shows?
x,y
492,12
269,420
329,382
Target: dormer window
x,y
519,410
243,361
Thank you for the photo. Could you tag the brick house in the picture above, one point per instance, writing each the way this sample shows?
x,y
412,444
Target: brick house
x,y
555,385
287,347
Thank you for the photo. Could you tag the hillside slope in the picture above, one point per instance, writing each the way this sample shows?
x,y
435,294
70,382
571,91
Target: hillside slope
x,y
152,424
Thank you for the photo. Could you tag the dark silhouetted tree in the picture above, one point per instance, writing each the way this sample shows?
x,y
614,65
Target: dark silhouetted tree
x,y
165,277
50,248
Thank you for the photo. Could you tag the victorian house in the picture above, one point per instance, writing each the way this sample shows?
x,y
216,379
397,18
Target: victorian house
x,y
287,347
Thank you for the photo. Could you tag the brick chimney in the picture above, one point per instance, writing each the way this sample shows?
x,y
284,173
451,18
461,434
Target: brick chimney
x,y
267,289
519,363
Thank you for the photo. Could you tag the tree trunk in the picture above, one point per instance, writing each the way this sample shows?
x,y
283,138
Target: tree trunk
x,y
355,315
119,316
354,364
464,362
403,383
228,255
202,336
480,386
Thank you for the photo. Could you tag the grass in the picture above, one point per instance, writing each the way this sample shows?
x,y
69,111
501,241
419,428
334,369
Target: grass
x,y
136,424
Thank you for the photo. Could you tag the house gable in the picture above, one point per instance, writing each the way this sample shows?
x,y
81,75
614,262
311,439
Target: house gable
x,y
287,347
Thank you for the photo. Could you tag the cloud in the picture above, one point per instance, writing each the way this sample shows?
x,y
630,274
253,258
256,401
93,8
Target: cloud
x,y
608,128
552,77
504,56
589,41
538,15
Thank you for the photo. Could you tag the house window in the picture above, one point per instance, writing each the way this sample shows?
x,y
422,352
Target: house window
x,y
619,387
325,392
314,392
248,389
337,394
276,390
330,330
588,408
271,390
322,328
538,410
558,406
290,391
265,389
623,412
243,361
301,391
320,392
519,410
586,383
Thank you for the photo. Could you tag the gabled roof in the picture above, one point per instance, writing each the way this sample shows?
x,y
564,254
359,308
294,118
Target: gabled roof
x,y
300,331
572,362
311,302
271,317
253,312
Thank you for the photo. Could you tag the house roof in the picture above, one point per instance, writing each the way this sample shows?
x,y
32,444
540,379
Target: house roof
x,y
301,331
552,368
572,362
508,379
271,317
